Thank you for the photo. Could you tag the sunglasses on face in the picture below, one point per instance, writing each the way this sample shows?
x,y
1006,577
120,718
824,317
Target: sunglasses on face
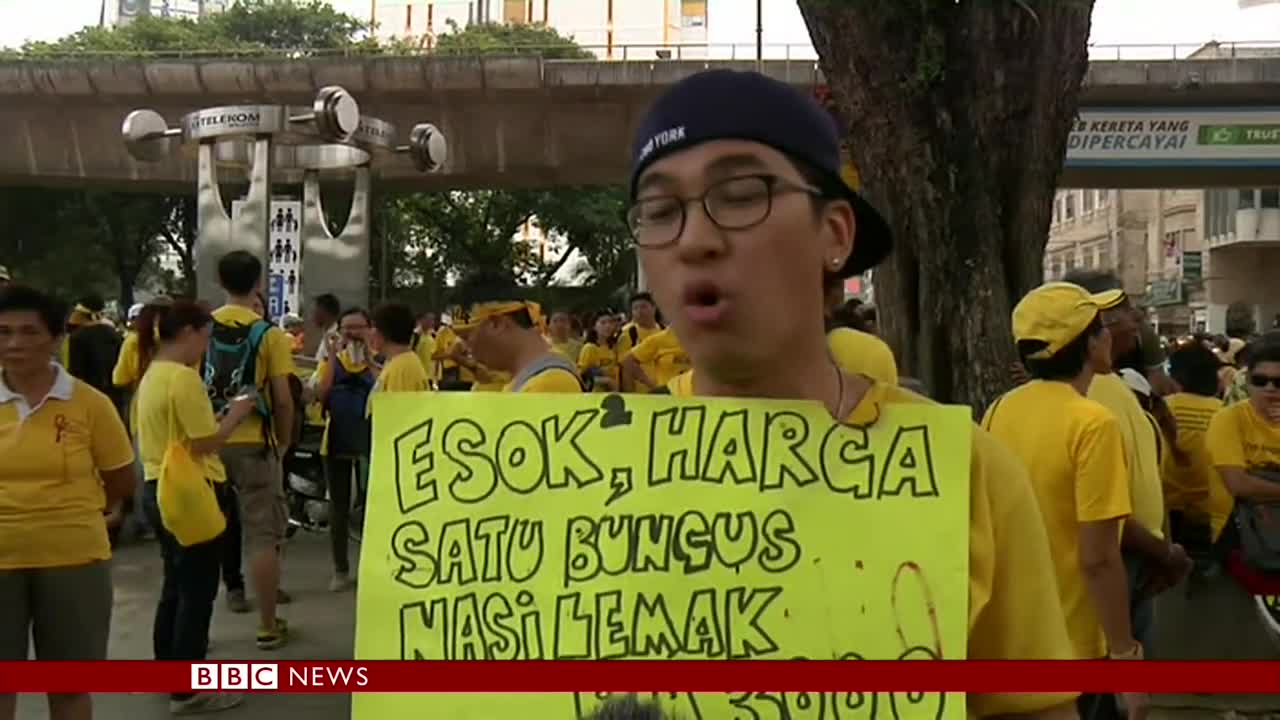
x,y
1259,380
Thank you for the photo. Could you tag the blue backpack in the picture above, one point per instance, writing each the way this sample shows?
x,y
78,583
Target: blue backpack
x,y
231,364
349,426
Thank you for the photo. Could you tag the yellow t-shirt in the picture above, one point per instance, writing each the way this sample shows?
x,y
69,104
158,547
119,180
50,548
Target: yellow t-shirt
x,y
624,337
602,358
867,353
553,380
425,347
51,497
859,354
125,373
569,349
1186,487
496,382
1141,448
1013,599
1237,437
661,356
446,338
275,359
173,407
1073,451
402,373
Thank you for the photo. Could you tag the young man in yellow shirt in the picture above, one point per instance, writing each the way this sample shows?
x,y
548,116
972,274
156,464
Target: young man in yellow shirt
x,y
1187,470
253,455
505,334
1072,447
734,236
644,323
1153,561
656,361
402,370
1244,437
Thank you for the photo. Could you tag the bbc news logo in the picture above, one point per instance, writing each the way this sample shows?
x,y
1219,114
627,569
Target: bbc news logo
x,y
289,676
235,676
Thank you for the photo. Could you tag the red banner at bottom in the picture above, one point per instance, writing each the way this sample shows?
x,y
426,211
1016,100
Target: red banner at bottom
x,y
970,676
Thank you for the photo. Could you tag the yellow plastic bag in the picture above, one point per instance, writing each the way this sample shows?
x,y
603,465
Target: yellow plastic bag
x,y
188,505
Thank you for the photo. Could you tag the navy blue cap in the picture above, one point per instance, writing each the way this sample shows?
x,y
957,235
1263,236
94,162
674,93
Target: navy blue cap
x,y
733,105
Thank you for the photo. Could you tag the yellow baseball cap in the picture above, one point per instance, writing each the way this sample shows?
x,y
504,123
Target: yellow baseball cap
x,y
1056,313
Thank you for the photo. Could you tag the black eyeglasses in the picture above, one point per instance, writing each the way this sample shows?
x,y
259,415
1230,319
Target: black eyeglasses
x,y
1259,380
736,203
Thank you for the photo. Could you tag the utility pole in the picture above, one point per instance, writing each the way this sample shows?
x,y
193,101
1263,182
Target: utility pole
x,y
759,35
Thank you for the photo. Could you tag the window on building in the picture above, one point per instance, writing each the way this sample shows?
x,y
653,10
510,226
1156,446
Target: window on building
x,y
1104,257
1269,198
1247,200
1071,263
1069,207
1101,200
1086,200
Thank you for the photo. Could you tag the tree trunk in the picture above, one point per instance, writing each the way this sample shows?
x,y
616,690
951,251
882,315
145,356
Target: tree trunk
x,y
186,253
957,116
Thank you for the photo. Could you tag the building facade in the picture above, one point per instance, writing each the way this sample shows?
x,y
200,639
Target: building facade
x,y
1196,260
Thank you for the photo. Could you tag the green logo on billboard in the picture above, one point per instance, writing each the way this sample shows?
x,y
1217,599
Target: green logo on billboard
x,y
1239,135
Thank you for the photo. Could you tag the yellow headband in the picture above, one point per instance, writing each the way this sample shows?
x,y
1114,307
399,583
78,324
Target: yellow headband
x,y
483,311
81,315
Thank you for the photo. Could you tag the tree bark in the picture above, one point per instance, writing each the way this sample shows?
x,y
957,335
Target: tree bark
x,y
957,116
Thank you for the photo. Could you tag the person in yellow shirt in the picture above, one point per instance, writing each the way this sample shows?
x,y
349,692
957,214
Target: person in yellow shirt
x,y
253,456
560,335
65,458
424,345
347,377
861,352
1244,437
1187,469
451,355
598,360
1154,563
644,323
734,236
654,362
1072,447
173,408
505,334
401,370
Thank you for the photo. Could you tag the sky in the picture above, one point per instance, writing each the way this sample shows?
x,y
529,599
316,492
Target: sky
x,y
1159,23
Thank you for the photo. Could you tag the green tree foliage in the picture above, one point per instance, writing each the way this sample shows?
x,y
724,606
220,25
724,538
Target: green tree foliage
x,y
249,26
509,39
957,114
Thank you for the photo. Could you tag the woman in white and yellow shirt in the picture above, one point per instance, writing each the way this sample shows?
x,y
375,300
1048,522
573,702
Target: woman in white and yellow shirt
x,y
64,457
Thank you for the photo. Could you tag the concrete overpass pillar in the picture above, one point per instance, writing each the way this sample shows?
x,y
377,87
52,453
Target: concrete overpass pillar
x,y
216,233
338,265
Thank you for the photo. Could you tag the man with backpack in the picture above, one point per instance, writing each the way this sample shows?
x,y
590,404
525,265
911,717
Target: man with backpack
x,y
249,356
505,332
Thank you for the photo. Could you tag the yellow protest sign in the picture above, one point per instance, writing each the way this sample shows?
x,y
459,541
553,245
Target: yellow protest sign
x,y
511,527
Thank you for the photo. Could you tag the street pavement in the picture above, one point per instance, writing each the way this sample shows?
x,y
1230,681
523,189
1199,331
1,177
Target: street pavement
x,y
322,624
323,627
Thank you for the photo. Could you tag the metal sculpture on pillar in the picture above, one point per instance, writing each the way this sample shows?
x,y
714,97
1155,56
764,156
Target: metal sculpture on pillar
x,y
277,144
